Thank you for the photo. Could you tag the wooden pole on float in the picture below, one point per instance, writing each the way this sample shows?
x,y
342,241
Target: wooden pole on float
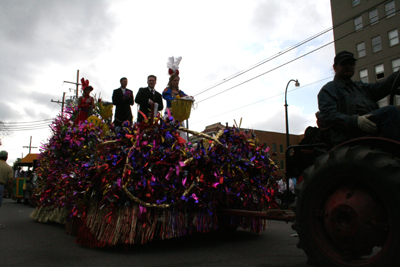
x,y
62,106
77,83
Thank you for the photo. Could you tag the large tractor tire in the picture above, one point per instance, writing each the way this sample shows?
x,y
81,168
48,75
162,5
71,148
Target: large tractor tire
x,y
348,209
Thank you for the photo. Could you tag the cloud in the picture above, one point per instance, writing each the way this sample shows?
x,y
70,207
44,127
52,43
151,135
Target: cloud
x,y
37,33
289,20
59,25
276,122
7,111
45,42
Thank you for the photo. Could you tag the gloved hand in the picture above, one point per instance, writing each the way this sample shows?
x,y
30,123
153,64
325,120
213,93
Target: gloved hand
x,y
366,125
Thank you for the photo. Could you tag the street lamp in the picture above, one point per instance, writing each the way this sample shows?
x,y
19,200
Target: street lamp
x,y
297,84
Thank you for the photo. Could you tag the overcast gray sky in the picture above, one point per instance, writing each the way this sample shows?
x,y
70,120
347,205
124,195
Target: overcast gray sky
x,y
44,43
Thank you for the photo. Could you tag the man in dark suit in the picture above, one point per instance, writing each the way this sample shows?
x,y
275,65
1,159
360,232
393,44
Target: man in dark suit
x,y
122,98
146,96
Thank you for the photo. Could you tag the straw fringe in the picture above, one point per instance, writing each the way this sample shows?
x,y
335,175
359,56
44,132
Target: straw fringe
x,y
50,214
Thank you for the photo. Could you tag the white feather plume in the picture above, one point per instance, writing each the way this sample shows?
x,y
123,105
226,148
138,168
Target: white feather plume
x,y
177,61
170,63
173,63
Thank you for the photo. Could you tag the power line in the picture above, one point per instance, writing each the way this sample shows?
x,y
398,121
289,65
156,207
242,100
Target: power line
x,y
28,128
267,71
265,61
286,50
298,88
27,122
284,64
294,89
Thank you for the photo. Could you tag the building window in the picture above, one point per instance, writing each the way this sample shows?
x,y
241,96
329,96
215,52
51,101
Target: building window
x,y
358,23
376,44
396,64
356,2
379,71
390,9
373,16
361,50
281,148
393,37
364,76
282,165
274,147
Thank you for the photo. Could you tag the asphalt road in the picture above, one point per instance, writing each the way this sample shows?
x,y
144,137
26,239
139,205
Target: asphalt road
x,y
24,242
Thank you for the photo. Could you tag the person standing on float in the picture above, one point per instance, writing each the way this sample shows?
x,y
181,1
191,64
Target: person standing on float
x,y
146,96
85,102
122,99
172,91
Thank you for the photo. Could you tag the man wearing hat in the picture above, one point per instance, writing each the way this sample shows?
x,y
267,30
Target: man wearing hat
x,y
6,173
354,104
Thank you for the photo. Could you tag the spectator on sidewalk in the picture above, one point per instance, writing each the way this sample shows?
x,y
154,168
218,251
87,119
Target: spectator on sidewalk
x,y
6,173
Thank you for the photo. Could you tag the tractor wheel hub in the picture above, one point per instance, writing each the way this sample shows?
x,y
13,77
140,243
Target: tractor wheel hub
x,y
354,221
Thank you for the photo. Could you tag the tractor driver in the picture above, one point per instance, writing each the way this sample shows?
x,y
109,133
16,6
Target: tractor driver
x,y
354,104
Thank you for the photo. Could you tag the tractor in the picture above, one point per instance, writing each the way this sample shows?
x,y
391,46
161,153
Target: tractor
x,y
347,209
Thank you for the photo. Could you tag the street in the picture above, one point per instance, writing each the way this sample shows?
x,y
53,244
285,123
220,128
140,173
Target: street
x,y
24,242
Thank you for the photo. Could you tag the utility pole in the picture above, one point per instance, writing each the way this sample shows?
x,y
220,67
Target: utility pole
x,y
62,103
30,146
62,106
63,99
77,83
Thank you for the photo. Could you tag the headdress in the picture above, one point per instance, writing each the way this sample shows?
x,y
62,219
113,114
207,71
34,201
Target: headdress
x,y
85,83
173,65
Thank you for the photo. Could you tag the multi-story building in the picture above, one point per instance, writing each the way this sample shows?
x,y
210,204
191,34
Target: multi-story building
x,y
276,142
370,30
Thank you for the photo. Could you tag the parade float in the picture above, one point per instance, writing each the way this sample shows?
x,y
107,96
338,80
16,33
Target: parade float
x,y
131,184
138,182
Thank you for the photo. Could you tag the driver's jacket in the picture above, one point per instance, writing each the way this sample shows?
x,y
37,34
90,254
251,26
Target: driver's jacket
x,y
339,101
